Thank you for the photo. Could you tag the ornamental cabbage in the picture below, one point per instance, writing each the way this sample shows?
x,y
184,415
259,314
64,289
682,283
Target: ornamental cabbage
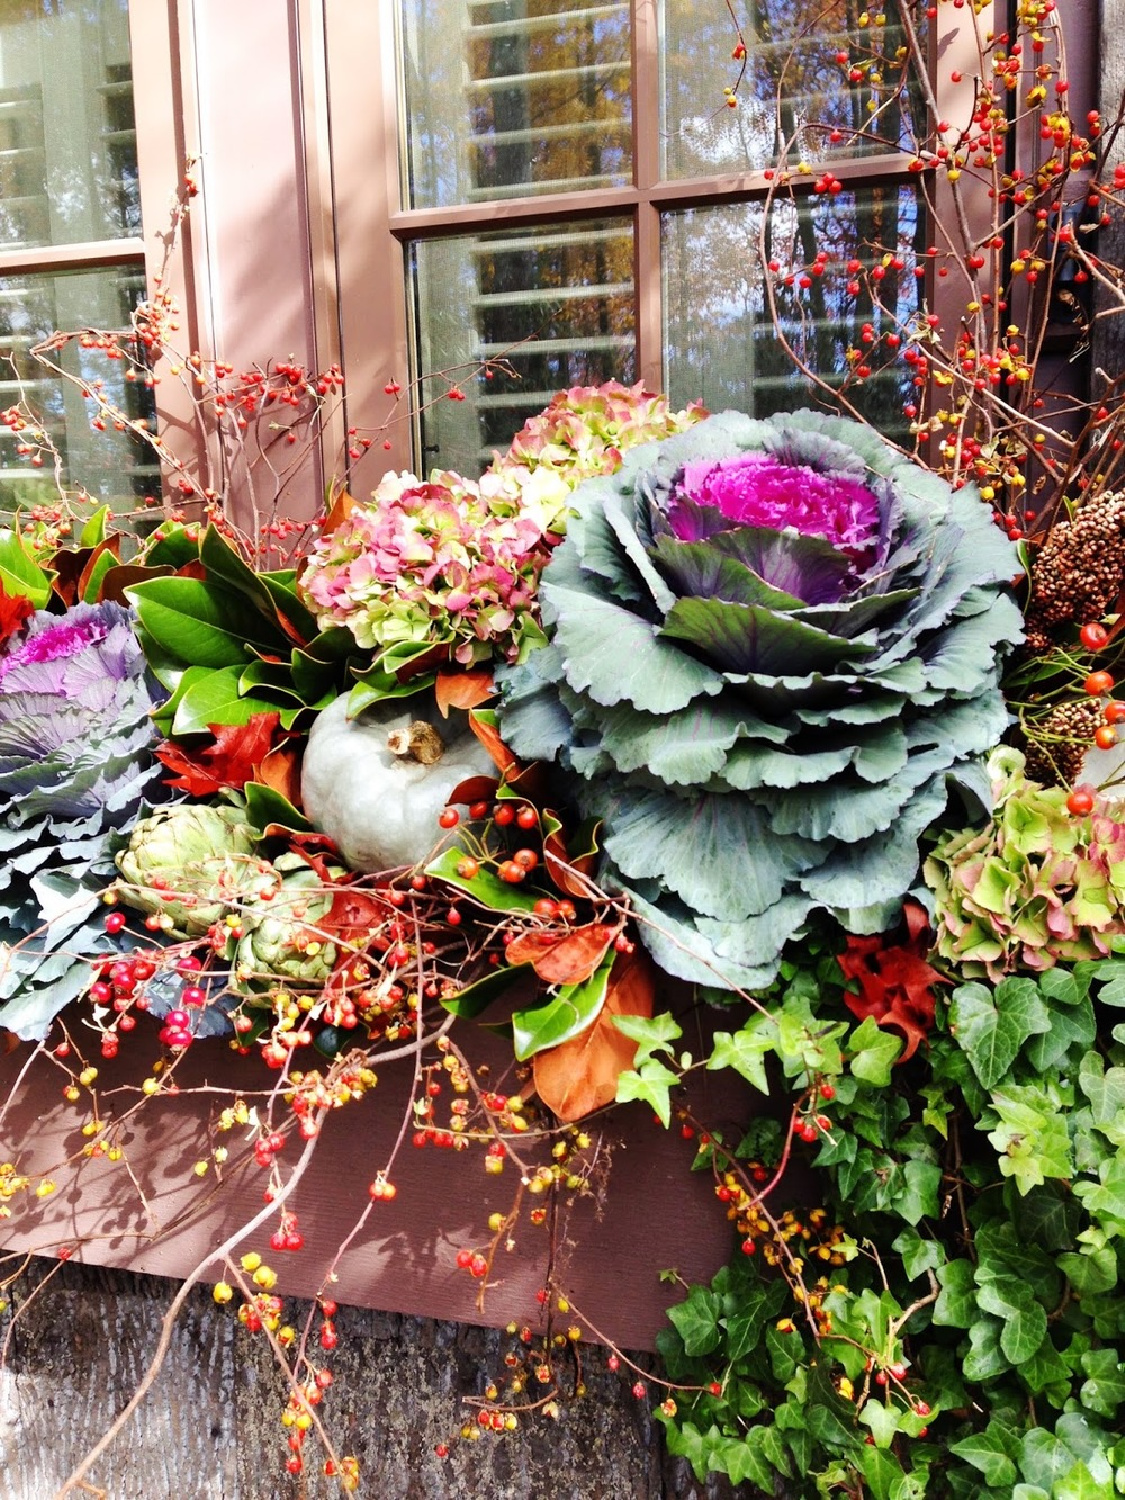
x,y
75,768
775,646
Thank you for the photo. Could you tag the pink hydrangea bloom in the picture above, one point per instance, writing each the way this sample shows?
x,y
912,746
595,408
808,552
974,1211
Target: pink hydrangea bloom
x,y
585,431
433,563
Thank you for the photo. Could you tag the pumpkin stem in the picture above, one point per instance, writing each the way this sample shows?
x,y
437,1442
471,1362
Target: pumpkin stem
x,y
420,741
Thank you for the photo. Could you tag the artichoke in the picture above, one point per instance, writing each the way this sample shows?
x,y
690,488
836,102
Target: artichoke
x,y
281,940
76,766
190,866
1037,887
774,647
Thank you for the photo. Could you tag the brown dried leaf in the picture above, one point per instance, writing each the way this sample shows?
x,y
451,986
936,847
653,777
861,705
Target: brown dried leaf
x,y
489,736
124,576
569,959
473,789
338,512
462,690
581,1075
281,769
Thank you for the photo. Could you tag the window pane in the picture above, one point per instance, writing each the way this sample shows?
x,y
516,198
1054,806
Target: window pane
x,y
720,343
107,465
68,151
510,97
793,84
550,306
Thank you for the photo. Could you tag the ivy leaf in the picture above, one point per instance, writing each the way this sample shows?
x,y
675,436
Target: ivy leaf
x,y
1024,1319
985,1359
1106,1197
1105,1090
919,1199
991,1452
1104,1388
745,1051
883,1473
1045,1459
1091,1272
1080,1484
882,1420
652,1083
873,1052
696,1320
651,1033
918,1255
992,1026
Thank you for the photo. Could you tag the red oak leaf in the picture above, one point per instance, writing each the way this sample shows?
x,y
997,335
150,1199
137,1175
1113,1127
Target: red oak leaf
x,y
15,611
233,759
895,982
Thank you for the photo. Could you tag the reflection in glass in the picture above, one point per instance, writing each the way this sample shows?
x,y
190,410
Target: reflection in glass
x,y
795,91
720,343
510,97
107,465
68,149
554,304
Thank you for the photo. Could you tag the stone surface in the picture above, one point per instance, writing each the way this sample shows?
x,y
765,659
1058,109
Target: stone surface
x,y
209,1428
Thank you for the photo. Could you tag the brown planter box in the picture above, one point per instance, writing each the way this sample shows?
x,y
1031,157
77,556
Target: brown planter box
x,y
155,1215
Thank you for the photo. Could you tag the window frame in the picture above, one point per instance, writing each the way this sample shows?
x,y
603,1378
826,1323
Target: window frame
x,y
361,51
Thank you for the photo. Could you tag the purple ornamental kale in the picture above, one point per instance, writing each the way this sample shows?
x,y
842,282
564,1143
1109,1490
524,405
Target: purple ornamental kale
x,y
756,489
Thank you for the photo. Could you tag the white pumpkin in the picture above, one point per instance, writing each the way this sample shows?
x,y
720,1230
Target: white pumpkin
x,y
376,784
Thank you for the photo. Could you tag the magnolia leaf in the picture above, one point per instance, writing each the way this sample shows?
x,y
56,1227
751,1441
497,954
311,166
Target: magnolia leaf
x,y
582,1075
568,959
475,998
20,574
269,810
565,1015
215,697
483,725
485,888
204,624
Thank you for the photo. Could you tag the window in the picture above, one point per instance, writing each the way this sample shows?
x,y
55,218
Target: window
x,y
570,200
71,252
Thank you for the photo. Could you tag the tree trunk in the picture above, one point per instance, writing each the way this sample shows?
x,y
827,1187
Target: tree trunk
x,y
210,1430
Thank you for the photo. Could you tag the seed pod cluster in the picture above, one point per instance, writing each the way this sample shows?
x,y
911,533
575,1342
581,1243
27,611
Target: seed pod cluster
x,y
1060,740
1080,571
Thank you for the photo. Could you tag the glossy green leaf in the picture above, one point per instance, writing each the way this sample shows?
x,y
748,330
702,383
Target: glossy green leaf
x,y
20,574
203,624
264,806
485,888
213,697
475,998
567,1014
93,533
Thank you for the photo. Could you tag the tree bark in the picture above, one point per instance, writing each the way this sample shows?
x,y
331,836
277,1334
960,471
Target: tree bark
x,y
210,1428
